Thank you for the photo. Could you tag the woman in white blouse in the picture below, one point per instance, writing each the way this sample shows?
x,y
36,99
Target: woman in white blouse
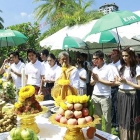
x,y
50,77
83,76
129,96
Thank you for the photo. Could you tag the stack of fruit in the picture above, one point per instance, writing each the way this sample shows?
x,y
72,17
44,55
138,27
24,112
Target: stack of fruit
x,y
7,122
27,103
22,134
78,110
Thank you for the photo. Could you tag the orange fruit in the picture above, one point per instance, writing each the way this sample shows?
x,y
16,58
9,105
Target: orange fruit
x,y
90,132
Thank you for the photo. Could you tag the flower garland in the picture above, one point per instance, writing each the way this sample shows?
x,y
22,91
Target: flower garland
x,y
5,75
64,82
64,68
18,105
26,92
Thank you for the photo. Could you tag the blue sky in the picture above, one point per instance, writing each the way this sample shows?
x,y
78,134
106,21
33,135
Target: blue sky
x,y
19,11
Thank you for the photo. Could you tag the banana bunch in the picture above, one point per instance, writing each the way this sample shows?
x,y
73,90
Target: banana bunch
x,y
90,107
77,99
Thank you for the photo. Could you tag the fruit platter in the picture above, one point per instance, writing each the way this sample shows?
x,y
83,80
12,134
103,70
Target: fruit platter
x,y
74,114
27,108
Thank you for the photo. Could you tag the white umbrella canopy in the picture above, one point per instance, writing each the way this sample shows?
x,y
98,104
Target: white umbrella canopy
x,y
129,31
76,31
49,41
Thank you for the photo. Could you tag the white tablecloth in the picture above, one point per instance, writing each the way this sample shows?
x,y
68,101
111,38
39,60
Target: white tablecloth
x,y
48,131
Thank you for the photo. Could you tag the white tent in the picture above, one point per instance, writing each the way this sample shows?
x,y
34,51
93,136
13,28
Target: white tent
x,y
75,31
81,31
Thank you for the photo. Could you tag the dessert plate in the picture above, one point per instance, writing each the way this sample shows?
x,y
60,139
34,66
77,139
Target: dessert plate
x,y
47,103
55,109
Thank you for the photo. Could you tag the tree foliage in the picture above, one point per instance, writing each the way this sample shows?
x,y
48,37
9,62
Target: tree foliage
x,y
32,32
61,13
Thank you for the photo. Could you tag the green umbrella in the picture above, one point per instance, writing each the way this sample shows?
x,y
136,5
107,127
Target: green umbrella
x,y
104,37
68,42
73,42
113,20
11,38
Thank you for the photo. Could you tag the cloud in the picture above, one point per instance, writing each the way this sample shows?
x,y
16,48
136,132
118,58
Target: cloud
x,y
30,15
23,14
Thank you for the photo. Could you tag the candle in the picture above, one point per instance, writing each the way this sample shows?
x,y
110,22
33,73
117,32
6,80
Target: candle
x,y
23,77
8,71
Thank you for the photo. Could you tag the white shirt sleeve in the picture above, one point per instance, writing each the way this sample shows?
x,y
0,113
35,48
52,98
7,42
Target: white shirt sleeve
x,y
111,76
83,74
58,73
74,78
114,69
26,69
137,71
42,72
22,66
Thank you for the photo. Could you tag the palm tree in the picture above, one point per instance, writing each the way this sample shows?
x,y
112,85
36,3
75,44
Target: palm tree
x,y
1,21
48,8
61,13
80,12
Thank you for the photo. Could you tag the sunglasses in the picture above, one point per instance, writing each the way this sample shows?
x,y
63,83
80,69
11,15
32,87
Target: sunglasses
x,y
95,58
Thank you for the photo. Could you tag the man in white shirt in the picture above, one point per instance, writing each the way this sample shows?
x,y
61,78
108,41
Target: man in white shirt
x,y
83,76
102,78
16,68
34,70
44,54
115,57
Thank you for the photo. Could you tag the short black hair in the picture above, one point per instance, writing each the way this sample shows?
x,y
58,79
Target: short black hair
x,y
38,56
45,52
51,55
99,54
14,54
84,55
31,51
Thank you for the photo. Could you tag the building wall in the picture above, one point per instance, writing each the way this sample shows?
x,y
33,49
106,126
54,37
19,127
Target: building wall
x,y
107,8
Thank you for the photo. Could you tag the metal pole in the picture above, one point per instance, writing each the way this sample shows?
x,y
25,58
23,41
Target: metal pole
x,y
119,45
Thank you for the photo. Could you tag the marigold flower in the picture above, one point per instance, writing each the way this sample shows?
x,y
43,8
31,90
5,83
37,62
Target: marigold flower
x,y
5,74
64,68
26,92
21,99
18,105
7,66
